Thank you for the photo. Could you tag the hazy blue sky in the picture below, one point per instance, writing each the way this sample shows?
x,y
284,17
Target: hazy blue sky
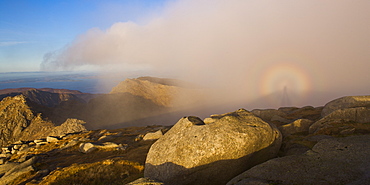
x,y
31,28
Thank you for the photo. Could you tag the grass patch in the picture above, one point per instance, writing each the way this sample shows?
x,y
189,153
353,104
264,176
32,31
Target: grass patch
x,y
110,171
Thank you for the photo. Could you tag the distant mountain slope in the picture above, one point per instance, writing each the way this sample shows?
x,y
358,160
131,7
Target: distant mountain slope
x,y
162,91
55,95
15,90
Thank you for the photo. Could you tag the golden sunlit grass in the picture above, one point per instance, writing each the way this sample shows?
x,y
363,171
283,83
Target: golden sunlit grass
x,y
110,171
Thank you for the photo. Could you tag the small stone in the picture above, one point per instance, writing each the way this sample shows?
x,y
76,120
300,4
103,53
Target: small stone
x,y
8,155
16,147
139,137
87,147
31,144
38,141
38,145
122,147
5,150
14,151
2,160
18,142
51,139
106,138
110,145
153,135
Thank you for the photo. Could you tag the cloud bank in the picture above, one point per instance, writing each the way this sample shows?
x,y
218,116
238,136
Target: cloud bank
x,y
250,49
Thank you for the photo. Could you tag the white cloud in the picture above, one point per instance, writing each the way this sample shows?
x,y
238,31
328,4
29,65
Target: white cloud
x,y
231,43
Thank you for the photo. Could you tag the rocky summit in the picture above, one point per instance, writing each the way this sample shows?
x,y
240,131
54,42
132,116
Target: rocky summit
x,y
68,140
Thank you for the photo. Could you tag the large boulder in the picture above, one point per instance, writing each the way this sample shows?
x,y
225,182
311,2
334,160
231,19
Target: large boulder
x,y
211,151
345,102
331,161
340,117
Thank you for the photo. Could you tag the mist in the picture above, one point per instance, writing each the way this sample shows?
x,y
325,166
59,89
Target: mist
x,y
267,53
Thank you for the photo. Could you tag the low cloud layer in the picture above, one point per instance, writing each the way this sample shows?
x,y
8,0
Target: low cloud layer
x,y
249,49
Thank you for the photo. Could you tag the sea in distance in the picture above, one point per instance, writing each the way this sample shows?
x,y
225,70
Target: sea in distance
x,y
86,82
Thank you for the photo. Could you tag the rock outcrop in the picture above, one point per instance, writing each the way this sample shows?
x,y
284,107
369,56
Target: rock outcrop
x,y
331,161
15,116
20,121
344,103
297,126
69,126
339,117
213,151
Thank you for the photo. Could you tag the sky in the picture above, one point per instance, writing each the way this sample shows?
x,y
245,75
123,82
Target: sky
x,y
31,28
311,51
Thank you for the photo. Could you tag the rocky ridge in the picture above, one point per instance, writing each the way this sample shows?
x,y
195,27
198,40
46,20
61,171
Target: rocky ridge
x,y
312,140
20,121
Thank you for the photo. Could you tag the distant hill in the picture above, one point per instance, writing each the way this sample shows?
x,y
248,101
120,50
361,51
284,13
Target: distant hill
x,y
162,91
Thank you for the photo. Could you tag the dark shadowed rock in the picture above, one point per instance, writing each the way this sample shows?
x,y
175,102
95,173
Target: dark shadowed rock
x,y
268,114
18,170
213,151
345,102
331,161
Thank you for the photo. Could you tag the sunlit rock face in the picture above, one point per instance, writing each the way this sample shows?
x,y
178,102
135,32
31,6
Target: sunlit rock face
x,y
162,91
346,102
15,116
212,151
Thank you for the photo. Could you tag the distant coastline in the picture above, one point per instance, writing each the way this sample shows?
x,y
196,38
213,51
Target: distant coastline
x,y
86,82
